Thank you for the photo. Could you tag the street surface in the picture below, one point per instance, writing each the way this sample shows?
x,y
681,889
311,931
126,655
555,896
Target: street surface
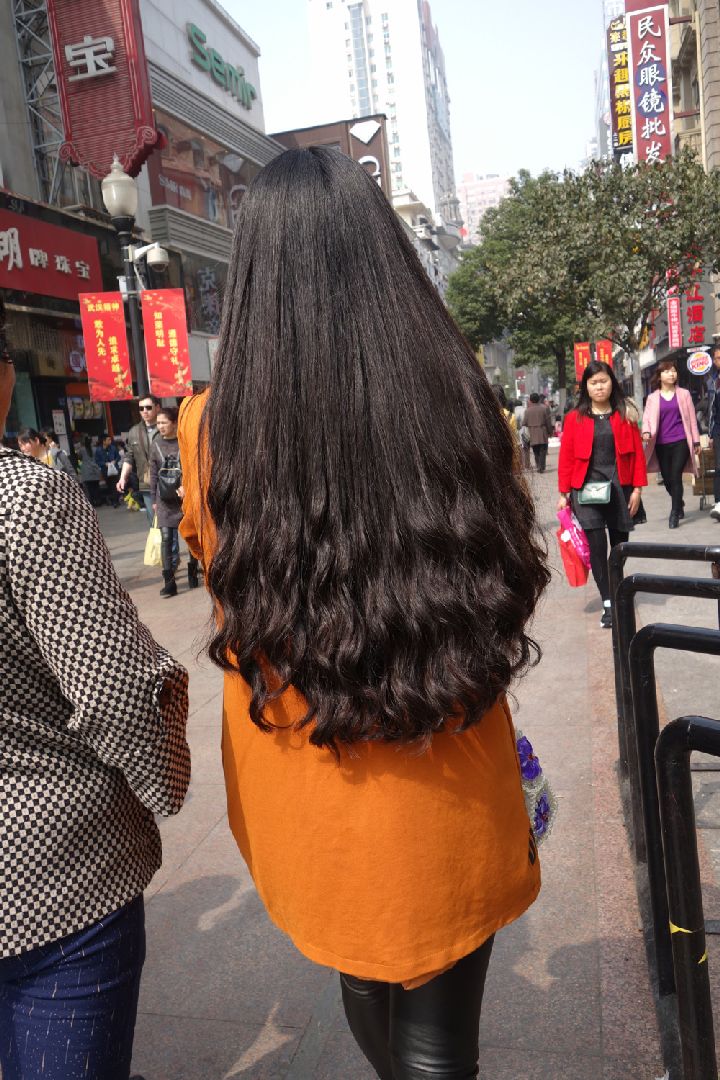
x,y
225,994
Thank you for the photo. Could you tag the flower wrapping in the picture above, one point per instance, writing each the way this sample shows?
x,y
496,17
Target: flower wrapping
x,y
540,800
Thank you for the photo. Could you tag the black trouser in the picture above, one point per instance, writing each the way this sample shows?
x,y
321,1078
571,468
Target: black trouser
x,y
169,552
672,458
597,542
429,1032
540,453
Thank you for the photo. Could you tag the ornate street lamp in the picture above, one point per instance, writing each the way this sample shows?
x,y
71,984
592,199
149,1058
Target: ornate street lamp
x,y
120,195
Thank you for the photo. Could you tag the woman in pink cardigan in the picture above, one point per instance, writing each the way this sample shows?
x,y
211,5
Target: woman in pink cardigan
x,y
670,435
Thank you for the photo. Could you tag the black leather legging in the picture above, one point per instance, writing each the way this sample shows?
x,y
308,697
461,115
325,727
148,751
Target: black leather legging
x,y
428,1032
169,539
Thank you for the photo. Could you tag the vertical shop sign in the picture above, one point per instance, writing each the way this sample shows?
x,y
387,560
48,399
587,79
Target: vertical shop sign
x,y
604,351
103,84
166,342
582,358
696,308
619,75
674,320
106,350
650,83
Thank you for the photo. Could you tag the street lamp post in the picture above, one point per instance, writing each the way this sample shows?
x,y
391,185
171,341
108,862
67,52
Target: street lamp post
x,y
119,192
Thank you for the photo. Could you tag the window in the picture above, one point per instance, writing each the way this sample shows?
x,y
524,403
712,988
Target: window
x,y
374,68
328,5
374,86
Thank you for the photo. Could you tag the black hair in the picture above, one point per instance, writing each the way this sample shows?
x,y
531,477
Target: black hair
x,y
664,365
150,397
171,411
535,398
499,393
617,395
49,435
375,548
29,434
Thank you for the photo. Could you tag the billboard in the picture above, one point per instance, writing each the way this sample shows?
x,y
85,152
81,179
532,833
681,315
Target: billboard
x,y
650,83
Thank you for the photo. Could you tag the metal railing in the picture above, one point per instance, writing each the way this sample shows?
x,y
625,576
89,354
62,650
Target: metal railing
x,y
686,920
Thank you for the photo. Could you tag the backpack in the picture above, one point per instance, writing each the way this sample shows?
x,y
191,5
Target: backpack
x,y
169,479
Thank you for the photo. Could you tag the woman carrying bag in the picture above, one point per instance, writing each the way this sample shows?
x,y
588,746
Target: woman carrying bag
x,y
166,493
670,435
601,470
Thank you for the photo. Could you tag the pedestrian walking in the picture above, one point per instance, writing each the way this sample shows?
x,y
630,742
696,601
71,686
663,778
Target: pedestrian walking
x,y
166,492
107,458
601,470
373,560
90,474
137,459
92,743
713,393
670,435
538,422
56,456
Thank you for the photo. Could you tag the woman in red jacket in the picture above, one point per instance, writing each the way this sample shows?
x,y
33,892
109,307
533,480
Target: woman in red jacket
x,y
600,445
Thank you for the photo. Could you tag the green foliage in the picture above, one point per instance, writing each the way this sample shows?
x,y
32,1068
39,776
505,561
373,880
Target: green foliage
x,y
585,256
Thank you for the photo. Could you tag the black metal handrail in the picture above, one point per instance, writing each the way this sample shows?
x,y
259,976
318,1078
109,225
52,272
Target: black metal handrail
x,y
647,729
624,629
686,919
637,550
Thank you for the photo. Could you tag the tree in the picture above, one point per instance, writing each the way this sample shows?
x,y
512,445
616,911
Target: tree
x,y
638,230
519,280
586,256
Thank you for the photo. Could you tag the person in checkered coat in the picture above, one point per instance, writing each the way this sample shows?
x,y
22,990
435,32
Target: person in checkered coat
x,y
92,745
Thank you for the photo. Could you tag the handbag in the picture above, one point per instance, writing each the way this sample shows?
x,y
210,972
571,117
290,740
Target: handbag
x,y
540,801
111,469
153,546
595,493
169,480
576,571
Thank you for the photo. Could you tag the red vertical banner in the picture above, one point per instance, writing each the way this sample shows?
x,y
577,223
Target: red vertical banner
x,y
582,358
650,83
166,342
604,351
106,350
674,320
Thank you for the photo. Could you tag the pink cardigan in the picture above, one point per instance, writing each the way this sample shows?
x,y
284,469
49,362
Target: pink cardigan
x,y
651,423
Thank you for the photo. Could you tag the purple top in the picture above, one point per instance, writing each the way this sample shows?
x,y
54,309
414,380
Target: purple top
x,y
671,426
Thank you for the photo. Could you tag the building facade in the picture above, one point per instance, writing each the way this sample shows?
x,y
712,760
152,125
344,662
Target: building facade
x,y
477,194
384,56
365,141
207,105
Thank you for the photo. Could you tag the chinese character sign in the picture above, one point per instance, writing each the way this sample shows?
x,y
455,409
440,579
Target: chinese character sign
x,y
108,360
166,342
674,320
698,310
582,358
619,75
103,83
604,351
650,83
46,259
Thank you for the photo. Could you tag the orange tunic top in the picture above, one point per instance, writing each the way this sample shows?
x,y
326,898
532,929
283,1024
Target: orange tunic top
x,y
389,863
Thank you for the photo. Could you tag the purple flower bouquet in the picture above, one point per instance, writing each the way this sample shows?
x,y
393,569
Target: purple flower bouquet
x,y
540,800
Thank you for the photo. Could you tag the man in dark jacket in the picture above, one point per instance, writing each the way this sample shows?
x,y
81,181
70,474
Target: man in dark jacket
x,y
538,421
137,454
713,388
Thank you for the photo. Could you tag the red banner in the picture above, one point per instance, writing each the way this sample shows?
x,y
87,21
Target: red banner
x,y
106,350
674,321
650,83
582,358
604,351
166,342
46,259
103,83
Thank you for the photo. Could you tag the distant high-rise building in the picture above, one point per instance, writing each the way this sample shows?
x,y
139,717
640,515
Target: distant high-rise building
x,y
602,139
384,56
477,194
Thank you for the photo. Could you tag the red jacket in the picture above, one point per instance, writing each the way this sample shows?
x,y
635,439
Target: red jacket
x,y
576,448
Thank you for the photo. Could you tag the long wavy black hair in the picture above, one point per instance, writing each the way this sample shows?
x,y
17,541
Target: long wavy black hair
x,y
376,548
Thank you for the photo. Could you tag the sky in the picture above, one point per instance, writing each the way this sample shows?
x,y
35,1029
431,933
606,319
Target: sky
x,y
520,76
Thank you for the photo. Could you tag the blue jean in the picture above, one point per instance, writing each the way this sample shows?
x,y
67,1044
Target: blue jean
x,y
147,502
67,1009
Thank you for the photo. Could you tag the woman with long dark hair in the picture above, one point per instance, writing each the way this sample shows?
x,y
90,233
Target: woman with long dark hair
x,y
374,563
601,470
670,435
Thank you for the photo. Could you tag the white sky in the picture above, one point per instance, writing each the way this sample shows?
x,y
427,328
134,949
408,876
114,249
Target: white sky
x,y
520,76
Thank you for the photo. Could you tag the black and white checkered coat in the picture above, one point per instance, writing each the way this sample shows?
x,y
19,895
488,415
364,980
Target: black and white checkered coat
x,y
92,718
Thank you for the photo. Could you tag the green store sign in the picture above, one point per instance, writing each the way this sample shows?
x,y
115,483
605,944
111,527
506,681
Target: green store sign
x,y
232,79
